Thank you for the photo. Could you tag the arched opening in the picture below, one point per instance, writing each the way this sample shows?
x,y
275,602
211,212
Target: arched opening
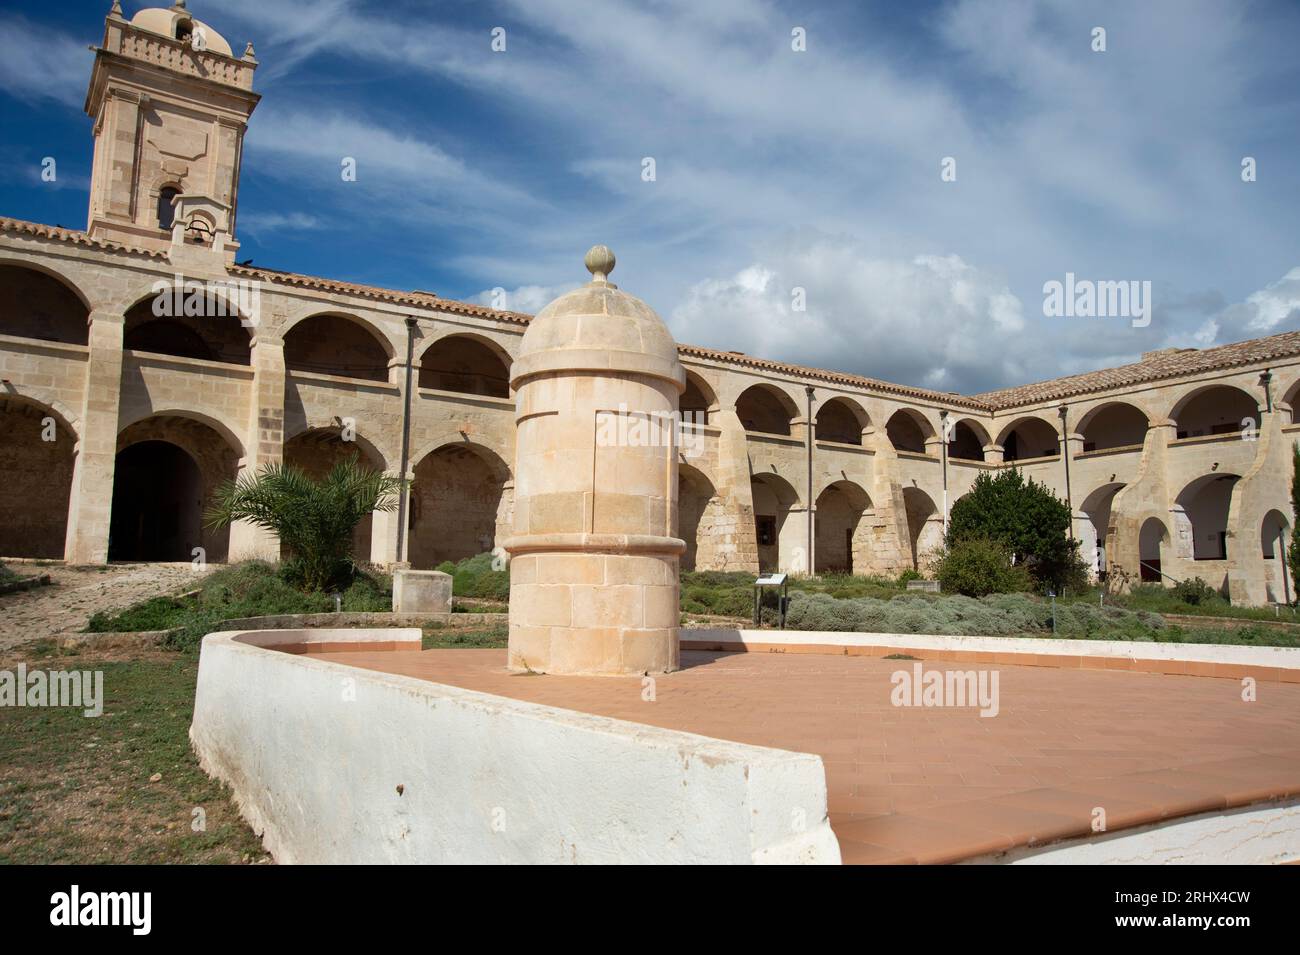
x,y
1092,531
335,345
841,421
697,401
838,524
316,452
36,305
1152,540
196,324
908,430
1202,514
765,409
166,472
1217,409
1117,425
924,524
459,506
465,365
167,208
1030,438
699,514
1291,398
39,451
1274,536
968,441
776,534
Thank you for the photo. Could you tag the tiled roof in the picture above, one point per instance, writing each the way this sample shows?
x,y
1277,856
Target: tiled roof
x,y
1154,366
60,234
421,299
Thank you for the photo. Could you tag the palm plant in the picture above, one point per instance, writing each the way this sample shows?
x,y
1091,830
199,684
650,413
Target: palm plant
x,y
314,519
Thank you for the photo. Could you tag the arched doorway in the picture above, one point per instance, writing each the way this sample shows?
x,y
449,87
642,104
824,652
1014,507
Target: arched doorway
x,y
36,464
167,469
1115,425
1201,517
1275,538
909,430
1216,409
924,524
1030,438
968,441
699,510
1152,542
459,506
1092,531
841,421
774,497
838,523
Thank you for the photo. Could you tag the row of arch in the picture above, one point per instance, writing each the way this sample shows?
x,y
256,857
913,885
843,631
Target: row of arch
x,y
1210,410
36,305
169,464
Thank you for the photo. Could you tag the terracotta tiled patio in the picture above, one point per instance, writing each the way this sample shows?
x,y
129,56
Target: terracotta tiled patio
x,y
944,784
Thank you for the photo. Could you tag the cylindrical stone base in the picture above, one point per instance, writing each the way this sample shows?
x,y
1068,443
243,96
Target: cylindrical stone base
x,y
594,613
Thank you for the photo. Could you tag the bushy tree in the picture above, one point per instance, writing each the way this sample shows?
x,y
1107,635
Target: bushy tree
x,y
1027,519
314,519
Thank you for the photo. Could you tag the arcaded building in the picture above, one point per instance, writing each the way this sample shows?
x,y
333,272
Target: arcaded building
x,y
141,367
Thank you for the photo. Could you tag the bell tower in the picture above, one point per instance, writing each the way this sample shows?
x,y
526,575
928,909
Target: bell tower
x,y
171,104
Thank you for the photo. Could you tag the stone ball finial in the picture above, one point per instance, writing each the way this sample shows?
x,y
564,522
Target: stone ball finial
x,y
600,262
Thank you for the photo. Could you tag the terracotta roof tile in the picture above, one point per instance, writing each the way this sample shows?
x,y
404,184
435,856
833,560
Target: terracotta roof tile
x,y
60,234
1154,366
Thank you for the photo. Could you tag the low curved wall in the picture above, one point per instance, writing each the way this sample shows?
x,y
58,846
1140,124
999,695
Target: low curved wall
x,y
334,764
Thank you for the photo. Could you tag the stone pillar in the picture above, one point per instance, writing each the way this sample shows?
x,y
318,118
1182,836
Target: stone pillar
x,y
91,502
264,444
383,532
594,586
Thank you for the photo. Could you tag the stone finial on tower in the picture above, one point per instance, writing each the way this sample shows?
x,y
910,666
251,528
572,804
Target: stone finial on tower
x,y
600,262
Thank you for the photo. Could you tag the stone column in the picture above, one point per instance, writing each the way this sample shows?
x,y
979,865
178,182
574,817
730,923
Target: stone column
x,y
91,502
264,444
594,586
383,533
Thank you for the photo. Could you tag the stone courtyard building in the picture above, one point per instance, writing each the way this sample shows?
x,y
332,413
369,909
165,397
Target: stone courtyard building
x,y
123,406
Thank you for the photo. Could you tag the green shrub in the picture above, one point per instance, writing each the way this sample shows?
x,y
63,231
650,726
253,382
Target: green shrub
x,y
1194,592
474,577
979,566
1017,614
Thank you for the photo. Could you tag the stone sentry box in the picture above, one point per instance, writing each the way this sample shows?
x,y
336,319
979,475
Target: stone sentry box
x,y
595,551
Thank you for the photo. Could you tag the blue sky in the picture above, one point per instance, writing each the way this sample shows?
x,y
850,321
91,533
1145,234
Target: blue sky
x,y
775,169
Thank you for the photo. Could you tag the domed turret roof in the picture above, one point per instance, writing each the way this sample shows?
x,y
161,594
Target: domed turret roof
x,y
598,327
165,20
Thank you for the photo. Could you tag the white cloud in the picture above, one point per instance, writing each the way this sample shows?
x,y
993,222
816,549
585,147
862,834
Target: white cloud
x,y
529,299
930,320
38,64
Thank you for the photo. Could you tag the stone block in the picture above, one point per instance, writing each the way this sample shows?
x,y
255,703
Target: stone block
x,y
421,591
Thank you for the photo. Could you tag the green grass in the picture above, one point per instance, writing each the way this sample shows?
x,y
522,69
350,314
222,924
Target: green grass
x,y
447,639
731,594
1157,599
249,589
475,577
77,789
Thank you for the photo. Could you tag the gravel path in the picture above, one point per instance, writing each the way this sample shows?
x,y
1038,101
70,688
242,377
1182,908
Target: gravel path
x,y
77,592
